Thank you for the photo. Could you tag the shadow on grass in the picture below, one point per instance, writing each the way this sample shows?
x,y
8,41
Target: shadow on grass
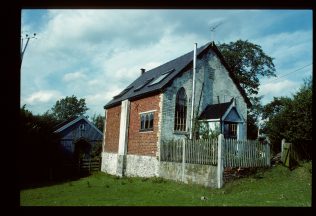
x,y
58,179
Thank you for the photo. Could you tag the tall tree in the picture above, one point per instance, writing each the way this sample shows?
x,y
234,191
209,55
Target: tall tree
x,y
249,62
98,121
68,107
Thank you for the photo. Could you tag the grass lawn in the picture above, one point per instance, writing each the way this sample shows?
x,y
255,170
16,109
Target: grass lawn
x,y
277,186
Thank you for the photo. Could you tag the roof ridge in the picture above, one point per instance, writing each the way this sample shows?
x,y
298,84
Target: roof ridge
x,y
178,64
74,120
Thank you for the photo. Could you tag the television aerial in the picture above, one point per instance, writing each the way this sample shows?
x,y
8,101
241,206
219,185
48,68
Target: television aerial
x,y
212,28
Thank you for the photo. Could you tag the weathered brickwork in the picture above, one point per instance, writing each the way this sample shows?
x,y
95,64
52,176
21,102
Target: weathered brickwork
x,y
226,89
112,129
212,85
212,80
143,143
203,96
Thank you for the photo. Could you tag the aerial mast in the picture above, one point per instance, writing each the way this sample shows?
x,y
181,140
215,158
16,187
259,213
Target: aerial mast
x,y
212,28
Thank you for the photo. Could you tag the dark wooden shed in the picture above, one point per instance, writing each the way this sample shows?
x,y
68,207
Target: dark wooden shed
x,y
78,137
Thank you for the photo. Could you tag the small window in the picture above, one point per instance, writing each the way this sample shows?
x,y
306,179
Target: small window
x,y
82,127
147,121
180,114
161,77
142,85
230,130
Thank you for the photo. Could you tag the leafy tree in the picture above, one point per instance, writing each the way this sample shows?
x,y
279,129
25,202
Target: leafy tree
x,y
96,150
205,132
38,147
98,121
249,62
68,107
276,122
291,118
253,116
274,107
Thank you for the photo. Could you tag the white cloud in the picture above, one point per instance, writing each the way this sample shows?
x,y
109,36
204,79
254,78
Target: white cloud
x,y
74,76
288,47
105,49
42,96
101,97
97,101
166,49
94,82
277,89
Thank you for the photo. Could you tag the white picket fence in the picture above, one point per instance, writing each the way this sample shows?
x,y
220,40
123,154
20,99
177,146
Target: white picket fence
x,y
234,153
196,151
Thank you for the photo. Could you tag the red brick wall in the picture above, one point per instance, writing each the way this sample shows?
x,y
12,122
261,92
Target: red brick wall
x,y
143,143
112,129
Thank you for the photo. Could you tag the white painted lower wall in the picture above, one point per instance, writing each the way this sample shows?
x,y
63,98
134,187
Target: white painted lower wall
x,y
136,165
109,163
141,166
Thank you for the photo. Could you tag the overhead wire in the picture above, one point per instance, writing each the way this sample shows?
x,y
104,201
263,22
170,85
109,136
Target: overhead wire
x,y
283,75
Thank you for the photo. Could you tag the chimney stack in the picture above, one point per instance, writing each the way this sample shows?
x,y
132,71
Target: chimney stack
x,y
142,71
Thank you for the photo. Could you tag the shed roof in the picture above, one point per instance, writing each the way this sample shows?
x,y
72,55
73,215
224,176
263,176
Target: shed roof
x,y
56,127
166,73
66,124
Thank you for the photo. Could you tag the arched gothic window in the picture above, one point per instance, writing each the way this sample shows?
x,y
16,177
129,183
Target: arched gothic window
x,y
180,117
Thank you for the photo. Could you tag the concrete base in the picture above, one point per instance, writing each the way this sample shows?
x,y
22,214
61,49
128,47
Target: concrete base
x,y
193,173
148,166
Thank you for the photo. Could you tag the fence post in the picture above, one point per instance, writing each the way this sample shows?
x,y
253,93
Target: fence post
x,y
183,159
268,154
220,161
282,150
79,166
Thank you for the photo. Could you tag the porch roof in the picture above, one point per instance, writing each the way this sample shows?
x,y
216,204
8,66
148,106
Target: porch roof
x,y
215,111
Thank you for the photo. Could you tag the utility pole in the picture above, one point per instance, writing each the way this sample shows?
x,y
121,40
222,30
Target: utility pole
x,y
22,49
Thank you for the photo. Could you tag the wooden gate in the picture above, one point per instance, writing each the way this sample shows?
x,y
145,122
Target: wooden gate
x,y
89,165
289,156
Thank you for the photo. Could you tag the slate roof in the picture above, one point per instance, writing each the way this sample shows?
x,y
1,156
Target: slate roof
x,y
177,66
215,111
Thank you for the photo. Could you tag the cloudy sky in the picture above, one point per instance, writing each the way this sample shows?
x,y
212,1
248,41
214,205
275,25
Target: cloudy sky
x,y
94,54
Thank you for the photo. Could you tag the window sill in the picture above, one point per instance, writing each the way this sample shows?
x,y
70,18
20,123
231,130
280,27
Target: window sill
x,y
146,131
181,132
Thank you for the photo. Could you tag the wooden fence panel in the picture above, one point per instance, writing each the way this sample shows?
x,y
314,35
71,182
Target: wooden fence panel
x,y
246,153
196,151
90,164
236,153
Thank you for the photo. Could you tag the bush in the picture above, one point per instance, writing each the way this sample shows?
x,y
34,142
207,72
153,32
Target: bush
x,y
291,119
